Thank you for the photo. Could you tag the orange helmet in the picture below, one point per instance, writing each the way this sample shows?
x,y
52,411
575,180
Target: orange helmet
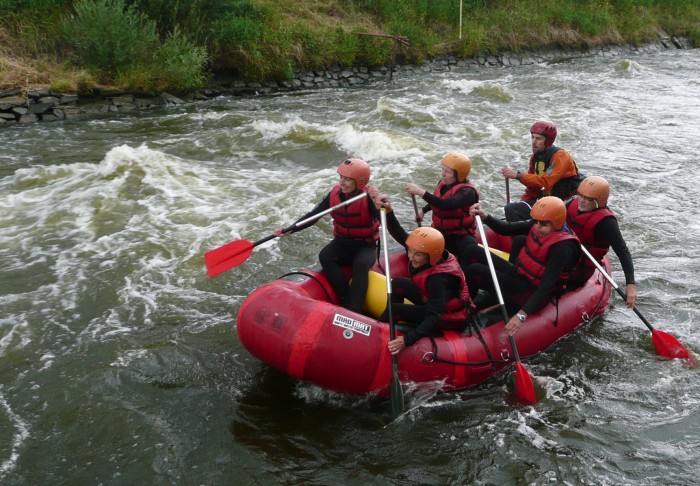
x,y
546,129
427,240
597,188
356,169
551,209
459,163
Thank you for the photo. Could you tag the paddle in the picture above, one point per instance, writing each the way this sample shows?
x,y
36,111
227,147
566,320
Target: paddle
x,y
415,209
665,344
523,381
236,252
397,404
507,191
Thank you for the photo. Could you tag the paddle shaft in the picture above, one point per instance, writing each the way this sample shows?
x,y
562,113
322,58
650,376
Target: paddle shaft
x,y
236,252
495,282
615,286
507,190
396,392
323,213
415,209
311,218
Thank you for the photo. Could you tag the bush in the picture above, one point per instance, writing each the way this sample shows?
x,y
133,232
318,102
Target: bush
x,y
109,36
345,47
122,42
179,64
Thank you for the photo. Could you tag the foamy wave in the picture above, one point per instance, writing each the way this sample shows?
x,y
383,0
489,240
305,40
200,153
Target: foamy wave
x,y
376,145
137,219
485,89
271,130
628,66
20,435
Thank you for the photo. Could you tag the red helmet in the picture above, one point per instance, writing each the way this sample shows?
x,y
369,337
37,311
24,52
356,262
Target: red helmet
x,y
550,209
546,129
356,169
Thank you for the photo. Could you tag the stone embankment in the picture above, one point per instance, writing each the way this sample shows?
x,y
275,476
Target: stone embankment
x,y
41,104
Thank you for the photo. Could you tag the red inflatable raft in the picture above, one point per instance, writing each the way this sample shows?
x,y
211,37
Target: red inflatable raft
x,y
296,327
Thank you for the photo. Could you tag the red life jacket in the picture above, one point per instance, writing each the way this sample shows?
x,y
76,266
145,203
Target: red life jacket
x,y
532,259
457,308
354,220
583,224
456,221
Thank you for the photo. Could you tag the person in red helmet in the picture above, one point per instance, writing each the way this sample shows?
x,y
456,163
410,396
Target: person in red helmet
x,y
436,286
355,233
540,263
450,203
551,172
596,226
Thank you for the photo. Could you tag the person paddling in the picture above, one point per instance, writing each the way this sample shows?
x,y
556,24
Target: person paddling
x,y
450,203
541,261
596,226
436,284
551,172
355,233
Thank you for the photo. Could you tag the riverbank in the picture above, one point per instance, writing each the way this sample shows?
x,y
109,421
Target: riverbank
x,y
41,104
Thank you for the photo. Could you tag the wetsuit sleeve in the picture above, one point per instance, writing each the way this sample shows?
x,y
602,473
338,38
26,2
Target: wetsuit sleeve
x,y
373,210
464,197
320,207
395,229
608,230
562,166
562,256
438,286
503,227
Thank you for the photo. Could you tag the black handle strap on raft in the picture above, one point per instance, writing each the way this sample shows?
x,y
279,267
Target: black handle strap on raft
x,y
586,317
473,327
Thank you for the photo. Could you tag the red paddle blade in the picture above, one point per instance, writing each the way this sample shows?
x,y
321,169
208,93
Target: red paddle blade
x,y
523,384
228,256
669,347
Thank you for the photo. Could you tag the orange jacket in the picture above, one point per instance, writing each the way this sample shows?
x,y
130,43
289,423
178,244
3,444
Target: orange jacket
x,y
541,177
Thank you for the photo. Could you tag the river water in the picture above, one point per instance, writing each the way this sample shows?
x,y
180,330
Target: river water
x,y
119,360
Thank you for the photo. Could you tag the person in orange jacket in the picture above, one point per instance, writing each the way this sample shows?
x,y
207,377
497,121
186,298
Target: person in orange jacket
x,y
551,172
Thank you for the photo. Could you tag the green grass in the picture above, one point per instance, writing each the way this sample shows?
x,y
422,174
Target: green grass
x,y
176,44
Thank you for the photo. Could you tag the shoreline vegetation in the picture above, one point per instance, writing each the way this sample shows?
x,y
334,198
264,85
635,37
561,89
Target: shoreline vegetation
x,y
152,47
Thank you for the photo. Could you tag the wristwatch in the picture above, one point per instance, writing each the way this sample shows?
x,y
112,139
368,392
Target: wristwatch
x,y
520,316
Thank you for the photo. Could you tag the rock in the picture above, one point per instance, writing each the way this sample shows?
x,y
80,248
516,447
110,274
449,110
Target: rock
x,y
28,118
69,98
39,108
38,93
11,102
170,99
10,92
110,92
123,100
